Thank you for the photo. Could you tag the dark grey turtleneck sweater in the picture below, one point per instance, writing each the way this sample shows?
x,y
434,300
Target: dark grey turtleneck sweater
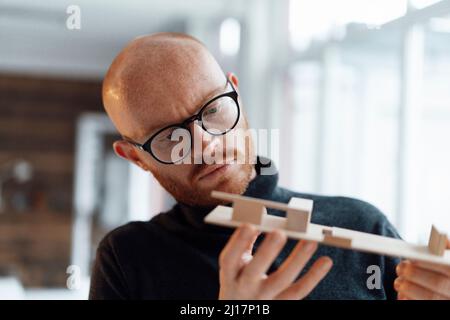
x,y
175,254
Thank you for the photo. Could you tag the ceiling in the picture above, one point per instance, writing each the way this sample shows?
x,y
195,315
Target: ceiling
x,y
35,39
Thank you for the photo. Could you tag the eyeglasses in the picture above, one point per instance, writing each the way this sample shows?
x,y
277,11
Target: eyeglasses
x,y
173,143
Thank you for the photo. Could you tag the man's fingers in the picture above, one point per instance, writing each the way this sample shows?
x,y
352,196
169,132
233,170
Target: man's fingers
x,y
302,287
412,291
445,270
231,256
247,255
264,256
291,267
426,278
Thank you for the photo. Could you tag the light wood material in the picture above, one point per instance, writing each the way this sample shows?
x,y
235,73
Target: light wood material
x,y
335,241
437,242
299,214
360,241
234,197
245,211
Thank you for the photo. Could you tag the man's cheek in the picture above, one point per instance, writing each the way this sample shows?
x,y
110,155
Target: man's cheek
x,y
183,173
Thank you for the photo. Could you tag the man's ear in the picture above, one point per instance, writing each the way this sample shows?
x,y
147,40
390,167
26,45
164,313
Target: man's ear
x,y
127,151
233,78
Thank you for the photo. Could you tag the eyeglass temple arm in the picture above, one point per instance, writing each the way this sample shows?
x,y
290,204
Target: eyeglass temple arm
x,y
136,144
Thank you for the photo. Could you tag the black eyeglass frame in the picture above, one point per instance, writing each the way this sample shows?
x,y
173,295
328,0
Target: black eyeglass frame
x,y
146,146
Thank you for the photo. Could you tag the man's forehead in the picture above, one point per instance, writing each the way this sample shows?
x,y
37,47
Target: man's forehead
x,y
159,81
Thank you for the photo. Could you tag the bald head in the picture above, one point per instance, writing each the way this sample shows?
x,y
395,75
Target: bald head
x,y
164,79
157,80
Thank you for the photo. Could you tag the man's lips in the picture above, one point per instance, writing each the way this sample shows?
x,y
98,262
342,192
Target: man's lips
x,y
210,169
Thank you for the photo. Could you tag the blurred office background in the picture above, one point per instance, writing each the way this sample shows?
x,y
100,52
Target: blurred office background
x,y
360,91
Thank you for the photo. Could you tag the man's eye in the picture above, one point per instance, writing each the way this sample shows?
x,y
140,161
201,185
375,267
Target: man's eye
x,y
166,137
212,110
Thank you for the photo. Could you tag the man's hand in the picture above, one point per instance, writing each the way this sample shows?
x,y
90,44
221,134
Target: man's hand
x,y
422,281
243,276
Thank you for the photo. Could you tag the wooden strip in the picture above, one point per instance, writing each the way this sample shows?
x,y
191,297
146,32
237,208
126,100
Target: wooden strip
x,y
32,128
234,197
361,241
46,162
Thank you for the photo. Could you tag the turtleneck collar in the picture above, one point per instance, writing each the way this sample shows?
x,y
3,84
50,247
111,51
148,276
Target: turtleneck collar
x,y
262,186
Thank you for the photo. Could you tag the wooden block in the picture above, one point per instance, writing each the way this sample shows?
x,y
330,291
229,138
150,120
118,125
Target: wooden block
x,y
337,241
299,214
437,242
332,237
248,211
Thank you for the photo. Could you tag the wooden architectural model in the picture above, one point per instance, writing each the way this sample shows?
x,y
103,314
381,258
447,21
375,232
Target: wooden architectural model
x,y
297,225
437,242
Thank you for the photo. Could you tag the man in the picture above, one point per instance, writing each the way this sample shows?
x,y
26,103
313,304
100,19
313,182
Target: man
x,y
164,84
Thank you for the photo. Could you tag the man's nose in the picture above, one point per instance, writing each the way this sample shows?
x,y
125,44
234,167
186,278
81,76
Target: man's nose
x,y
202,143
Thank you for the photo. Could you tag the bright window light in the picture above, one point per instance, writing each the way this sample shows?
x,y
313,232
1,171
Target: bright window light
x,y
440,25
420,4
319,18
230,36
